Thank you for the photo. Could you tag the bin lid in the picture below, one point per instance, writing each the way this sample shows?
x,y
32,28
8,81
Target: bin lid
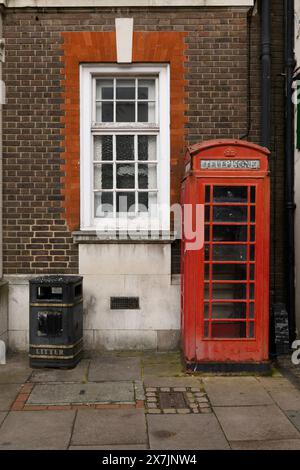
x,y
56,279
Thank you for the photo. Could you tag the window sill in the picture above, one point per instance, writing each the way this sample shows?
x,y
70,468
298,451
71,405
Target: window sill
x,y
93,236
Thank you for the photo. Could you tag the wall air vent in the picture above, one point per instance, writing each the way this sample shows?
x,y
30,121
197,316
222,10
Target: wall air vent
x,y
124,303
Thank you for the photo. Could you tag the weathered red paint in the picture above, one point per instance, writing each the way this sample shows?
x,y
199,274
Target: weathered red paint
x,y
205,337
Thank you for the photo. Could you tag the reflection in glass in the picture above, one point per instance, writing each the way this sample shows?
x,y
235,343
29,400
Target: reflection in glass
x,y
227,291
147,147
125,147
125,112
103,176
104,111
125,202
146,89
125,89
230,233
104,89
147,176
229,310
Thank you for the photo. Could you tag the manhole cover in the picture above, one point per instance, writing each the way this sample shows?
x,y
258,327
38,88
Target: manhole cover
x,y
172,400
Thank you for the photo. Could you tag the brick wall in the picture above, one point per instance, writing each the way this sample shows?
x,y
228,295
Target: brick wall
x,y
36,235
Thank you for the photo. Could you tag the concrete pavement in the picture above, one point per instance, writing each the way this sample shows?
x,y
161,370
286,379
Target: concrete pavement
x,y
117,401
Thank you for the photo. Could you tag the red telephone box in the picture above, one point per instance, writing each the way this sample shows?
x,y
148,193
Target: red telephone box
x,y
225,281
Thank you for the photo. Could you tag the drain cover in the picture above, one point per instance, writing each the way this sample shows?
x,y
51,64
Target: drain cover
x,y
172,400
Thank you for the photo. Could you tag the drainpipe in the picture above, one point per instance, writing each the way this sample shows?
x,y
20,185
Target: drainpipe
x,y
266,73
290,167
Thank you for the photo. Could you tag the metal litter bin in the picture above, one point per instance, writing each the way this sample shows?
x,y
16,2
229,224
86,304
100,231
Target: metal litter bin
x,y
56,321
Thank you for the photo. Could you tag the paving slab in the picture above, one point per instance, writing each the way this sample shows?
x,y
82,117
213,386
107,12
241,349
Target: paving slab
x,y
283,444
116,368
294,416
170,432
274,383
3,414
255,423
236,391
286,396
8,394
109,427
162,370
16,370
78,374
111,447
151,381
104,392
36,430
139,390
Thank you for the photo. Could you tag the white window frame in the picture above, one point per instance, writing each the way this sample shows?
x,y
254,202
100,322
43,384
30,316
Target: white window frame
x,y
87,73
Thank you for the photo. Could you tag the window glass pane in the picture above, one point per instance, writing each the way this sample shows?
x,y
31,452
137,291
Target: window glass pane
x,y
229,310
206,329
253,194
230,233
103,204
251,310
147,147
252,272
227,214
103,176
251,330
252,216
147,201
125,112
104,89
103,147
229,253
125,202
125,147
252,291
207,193
231,194
125,89
105,112
146,112
125,176
147,176
229,330
206,272
146,90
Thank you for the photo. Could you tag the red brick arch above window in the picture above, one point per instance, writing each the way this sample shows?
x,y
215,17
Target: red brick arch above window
x,y
100,47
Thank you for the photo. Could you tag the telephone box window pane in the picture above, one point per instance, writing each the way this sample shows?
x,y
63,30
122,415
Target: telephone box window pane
x,y
105,112
206,272
125,112
234,310
146,90
207,233
251,330
253,194
103,204
125,176
252,214
125,89
206,252
252,272
252,291
206,329
230,214
251,310
207,214
104,89
147,147
103,176
207,193
229,253
103,147
125,202
147,176
252,253
230,233
229,292
252,233
125,147
229,330
229,272
231,194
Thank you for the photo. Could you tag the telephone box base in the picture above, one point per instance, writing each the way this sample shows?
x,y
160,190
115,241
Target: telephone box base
x,y
229,367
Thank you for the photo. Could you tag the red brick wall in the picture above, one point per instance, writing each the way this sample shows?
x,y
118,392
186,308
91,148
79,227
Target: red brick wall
x,y
36,233
87,47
